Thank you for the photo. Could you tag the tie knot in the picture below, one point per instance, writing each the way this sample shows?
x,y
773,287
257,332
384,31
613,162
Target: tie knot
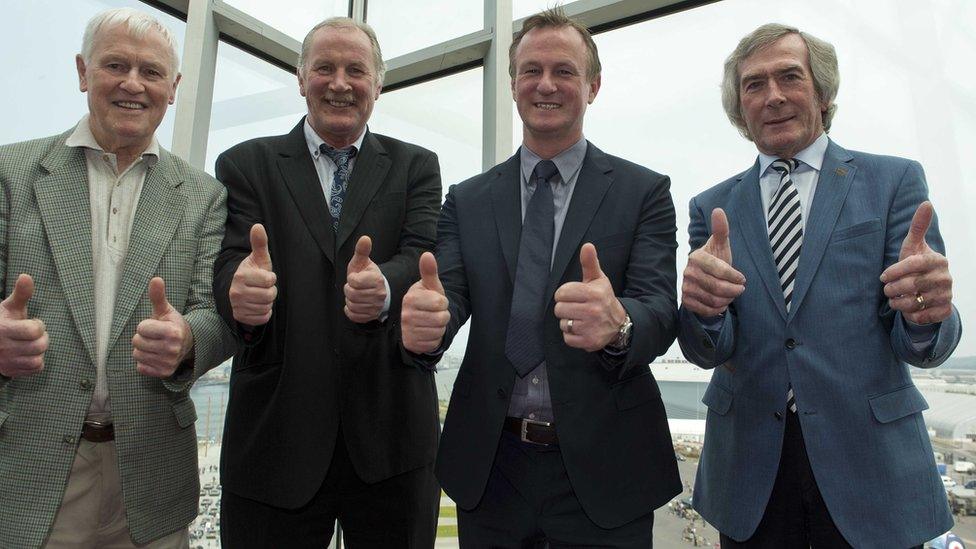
x,y
545,170
785,166
339,156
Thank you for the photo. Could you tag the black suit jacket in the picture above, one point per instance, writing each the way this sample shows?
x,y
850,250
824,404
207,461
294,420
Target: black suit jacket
x,y
310,369
609,417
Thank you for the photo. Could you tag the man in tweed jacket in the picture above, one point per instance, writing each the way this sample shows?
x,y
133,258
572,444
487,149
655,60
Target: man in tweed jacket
x,y
107,244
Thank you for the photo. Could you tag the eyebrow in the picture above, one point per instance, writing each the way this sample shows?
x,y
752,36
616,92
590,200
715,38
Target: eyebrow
x,y
792,67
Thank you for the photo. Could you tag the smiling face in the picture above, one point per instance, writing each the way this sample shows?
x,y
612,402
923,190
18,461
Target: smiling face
x,y
130,82
551,89
340,84
778,99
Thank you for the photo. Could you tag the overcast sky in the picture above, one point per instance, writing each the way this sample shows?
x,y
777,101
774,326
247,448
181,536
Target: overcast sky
x,y
907,89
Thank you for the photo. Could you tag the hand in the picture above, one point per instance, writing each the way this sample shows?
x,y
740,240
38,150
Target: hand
x,y
365,289
595,311
253,290
164,340
424,316
23,341
710,283
919,285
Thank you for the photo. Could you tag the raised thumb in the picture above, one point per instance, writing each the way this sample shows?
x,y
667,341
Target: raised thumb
x,y
428,273
915,240
16,302
360,259
259,247
590,263
157,296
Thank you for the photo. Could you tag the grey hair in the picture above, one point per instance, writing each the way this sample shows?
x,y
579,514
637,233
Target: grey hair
x,y
823,64
348,24
137,23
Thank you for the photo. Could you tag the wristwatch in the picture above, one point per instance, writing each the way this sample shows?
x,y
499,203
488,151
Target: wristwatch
x,y
623,335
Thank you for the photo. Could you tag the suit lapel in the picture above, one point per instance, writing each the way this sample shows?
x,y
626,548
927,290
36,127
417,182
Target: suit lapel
x,y
299,175
506,204
158,214
594,180
368,175
836,175
65,207
749,221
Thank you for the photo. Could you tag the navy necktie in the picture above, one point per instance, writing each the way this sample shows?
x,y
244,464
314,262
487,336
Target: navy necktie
x,y
340,179
524,341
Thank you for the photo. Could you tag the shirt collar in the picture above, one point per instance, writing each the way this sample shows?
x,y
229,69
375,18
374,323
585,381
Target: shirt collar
x,y
567,162
82,137
812,156
313,140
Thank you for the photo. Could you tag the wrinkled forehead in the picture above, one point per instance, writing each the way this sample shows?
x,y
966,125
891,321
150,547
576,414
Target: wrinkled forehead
x,y
149,44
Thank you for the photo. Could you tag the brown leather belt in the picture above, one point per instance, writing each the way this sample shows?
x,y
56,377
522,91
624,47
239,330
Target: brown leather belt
x,y
98,432
530,430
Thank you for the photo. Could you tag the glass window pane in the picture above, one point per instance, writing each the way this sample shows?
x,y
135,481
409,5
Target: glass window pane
x,y
525,8
403,27
292,17
41,95
252,98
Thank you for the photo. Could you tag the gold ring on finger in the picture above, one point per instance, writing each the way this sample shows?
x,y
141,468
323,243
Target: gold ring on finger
x,y
920,300
569,326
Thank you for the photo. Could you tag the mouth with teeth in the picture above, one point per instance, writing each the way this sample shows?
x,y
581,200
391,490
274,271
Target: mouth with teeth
x,y
547,106
129,105
340,103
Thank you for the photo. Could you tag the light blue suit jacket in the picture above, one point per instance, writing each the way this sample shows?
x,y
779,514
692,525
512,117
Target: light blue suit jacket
x,y
843,349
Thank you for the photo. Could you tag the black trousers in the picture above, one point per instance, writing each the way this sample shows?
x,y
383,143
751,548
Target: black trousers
x,y
529,503
399,512
796,516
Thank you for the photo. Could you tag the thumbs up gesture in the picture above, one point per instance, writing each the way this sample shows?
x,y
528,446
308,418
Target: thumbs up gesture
x,y
919,284
709,282
365,287
23,341
253,291
424,316
164,340
590,315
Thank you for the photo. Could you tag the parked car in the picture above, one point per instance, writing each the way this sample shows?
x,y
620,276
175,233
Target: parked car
x,y
971,485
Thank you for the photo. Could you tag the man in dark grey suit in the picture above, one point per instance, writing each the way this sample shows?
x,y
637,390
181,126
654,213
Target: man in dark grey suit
x,y
556,431
324,229
814,282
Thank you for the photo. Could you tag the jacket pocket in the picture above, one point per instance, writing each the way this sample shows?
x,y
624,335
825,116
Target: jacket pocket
x,y
855,231
897,404
185,412
634,391
717,398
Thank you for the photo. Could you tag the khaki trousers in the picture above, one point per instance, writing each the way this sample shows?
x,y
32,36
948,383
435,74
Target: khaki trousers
x,y
92,513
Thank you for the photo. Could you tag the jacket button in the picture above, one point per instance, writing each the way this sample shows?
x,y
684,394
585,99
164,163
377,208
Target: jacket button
x,y
501,393
86,384
69,439
790,343
778,416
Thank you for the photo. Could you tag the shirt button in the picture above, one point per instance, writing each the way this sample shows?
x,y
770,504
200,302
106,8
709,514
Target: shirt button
x,y
115,210
535,380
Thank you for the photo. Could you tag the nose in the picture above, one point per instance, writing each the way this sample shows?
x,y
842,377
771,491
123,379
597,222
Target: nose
x,y
546,83
338,83
132,83
775,96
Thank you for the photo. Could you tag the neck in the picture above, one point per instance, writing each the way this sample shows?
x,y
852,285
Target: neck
x,y
547,147
125,153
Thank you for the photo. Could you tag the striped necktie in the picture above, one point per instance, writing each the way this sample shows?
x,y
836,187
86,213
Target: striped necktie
x,y
786,236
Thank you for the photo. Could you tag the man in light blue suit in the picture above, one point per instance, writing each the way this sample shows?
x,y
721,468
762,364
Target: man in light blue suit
x,y
817,277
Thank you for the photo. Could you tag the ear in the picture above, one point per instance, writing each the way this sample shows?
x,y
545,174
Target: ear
x,y
82,80
301,81
176,82
594,88
513,88
379,88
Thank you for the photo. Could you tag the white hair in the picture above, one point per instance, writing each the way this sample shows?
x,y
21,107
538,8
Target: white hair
x,y
345,23
137,23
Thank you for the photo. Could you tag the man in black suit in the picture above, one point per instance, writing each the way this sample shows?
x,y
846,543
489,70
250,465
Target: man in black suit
x,y
324,231
556,432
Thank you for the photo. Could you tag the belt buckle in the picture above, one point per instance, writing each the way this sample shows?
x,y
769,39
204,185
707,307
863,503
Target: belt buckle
x,y
525,430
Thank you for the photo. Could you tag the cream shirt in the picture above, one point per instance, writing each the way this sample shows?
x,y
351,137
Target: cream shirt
x,y
113,198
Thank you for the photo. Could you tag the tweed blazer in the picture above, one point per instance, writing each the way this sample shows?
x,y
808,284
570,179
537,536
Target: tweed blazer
x,y
45,231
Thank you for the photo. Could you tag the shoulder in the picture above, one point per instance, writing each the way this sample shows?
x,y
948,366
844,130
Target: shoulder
x,y
255,149
397,147
195,181
880,164
26,154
